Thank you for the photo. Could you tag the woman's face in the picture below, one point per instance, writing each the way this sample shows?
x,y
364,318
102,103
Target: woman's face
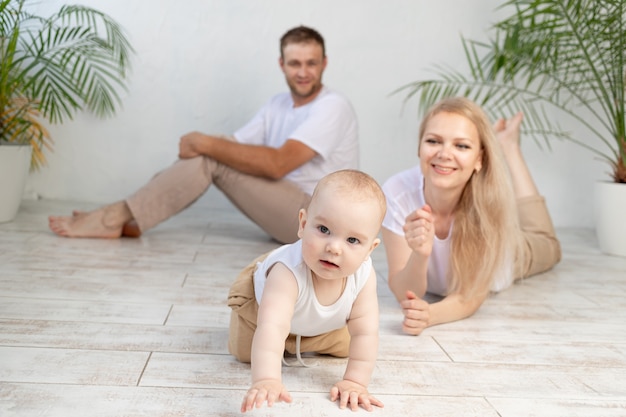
x,y
450,151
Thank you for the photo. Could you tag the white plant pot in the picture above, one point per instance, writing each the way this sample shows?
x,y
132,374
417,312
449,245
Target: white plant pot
x,y
14,165
610,214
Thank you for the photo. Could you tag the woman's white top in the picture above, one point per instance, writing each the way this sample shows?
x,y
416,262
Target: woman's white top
x,y
404,192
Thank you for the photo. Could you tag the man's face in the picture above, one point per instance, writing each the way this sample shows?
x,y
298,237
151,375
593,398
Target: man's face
x,y
303,65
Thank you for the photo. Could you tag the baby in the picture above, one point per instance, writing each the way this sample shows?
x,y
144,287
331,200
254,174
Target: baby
x,y
315,295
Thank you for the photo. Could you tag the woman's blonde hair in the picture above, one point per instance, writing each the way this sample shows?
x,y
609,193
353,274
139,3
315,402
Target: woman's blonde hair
x,y
486,235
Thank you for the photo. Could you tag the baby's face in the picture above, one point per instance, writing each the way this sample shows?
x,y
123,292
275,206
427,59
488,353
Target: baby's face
x,y
338,233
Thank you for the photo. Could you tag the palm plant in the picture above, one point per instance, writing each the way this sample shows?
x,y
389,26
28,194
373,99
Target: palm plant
x,y
568,55
53,67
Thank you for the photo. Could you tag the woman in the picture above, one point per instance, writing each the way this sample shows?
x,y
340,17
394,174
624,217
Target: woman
x,y
467,220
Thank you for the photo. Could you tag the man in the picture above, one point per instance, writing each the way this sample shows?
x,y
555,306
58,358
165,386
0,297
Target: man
x,y
268,169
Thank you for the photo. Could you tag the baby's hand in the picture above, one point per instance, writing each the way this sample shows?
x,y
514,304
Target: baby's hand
x,y
269,390
353,394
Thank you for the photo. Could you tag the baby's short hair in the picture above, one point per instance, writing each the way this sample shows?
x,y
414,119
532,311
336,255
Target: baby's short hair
x,y
356,184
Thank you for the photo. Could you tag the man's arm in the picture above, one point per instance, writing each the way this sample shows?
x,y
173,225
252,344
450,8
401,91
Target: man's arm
x,y
261,161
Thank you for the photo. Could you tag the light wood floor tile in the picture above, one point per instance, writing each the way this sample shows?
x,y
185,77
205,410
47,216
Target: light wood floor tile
x,y
200,316
533,407
113,336
139,327
94,401
70,366
100,311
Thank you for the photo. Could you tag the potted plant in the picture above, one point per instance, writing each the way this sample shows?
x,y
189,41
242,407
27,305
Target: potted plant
x,y
51,68
547,55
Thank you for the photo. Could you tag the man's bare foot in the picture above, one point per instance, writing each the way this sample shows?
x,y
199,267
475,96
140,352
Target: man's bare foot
x,y
106,222
130,229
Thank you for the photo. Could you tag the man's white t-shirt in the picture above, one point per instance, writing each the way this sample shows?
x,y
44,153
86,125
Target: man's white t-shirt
x,y
328,125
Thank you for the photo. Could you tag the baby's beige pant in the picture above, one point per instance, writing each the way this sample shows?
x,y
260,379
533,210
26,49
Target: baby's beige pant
x,y
243,324
272,205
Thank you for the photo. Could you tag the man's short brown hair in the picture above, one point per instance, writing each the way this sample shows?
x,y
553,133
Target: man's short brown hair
x,y
302,34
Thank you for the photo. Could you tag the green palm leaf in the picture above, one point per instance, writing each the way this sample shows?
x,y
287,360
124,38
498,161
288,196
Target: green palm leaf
x,y
77,59
565,55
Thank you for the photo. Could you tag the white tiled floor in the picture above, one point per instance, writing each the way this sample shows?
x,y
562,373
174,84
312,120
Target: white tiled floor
x,y
138,327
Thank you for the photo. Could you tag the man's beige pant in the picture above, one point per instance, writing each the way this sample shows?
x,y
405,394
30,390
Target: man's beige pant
x,y
243,319
272,205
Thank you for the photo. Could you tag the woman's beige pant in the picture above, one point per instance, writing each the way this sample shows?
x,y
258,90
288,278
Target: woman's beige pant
x,y
542,249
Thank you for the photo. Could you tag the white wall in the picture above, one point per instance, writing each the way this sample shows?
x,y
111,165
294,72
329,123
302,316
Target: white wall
x,y
208,65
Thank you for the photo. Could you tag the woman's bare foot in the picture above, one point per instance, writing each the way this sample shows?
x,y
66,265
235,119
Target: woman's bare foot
x,y
508,134
107,222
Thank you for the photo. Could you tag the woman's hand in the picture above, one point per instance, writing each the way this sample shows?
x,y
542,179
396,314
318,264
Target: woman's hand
x,y
416,314
419,231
